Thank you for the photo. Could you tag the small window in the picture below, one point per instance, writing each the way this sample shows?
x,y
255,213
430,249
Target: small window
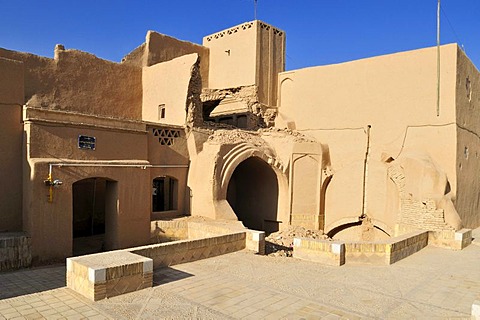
x,y
164,194
161,111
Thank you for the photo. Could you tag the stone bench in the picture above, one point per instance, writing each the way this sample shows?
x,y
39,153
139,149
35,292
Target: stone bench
x,y
108,274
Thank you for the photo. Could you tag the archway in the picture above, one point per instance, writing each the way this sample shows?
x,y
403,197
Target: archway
x,y
94,209
253,195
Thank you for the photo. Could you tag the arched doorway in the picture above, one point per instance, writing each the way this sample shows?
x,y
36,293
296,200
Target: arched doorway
x,y
94,208
253,195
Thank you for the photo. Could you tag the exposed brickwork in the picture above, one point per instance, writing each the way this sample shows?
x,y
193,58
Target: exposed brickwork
x,y
422,215
15,251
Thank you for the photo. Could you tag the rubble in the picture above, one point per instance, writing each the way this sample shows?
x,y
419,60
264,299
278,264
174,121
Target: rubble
x,y
280,244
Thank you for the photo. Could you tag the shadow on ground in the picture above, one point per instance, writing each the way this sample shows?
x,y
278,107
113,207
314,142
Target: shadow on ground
x,y
167,274
33,280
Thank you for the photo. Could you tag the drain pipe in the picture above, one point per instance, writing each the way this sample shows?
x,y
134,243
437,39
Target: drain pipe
x,y
365,175
51,183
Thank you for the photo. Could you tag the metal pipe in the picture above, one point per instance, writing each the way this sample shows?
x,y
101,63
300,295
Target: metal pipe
x,y
142,166
438,58
365,176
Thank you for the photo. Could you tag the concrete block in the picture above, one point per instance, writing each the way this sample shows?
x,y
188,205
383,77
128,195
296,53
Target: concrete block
x,y
104,275
476,310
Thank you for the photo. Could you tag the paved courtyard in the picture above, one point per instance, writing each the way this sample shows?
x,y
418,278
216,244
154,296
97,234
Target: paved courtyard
x,y
432,284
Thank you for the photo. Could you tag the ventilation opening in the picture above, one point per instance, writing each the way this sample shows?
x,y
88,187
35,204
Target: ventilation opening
x,y
253,195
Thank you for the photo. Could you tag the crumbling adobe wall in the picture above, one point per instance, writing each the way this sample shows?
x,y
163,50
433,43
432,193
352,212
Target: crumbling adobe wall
x,y
258,115
80,82
160,48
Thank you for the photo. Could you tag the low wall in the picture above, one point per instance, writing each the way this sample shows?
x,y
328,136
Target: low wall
x,y
456,240
182,251
323,251
168,230
15,251
386,252
376,253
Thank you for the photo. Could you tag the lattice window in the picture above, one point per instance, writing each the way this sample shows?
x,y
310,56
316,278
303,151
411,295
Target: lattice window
x,y
230,31
277,32
166,137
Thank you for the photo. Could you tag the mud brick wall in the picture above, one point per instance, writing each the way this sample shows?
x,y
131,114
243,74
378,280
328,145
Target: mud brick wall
x,y
182,251
164,231
323,251
15,251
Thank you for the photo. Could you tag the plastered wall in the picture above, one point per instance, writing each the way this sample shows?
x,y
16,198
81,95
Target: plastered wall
x,y
233,56
80,82
159,48
396,95
467,200
252,53
165,85
11,139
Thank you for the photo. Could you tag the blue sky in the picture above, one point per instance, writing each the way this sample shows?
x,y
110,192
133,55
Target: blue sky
x,y
318,31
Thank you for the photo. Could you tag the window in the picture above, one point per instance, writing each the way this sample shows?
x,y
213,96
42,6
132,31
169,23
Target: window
x,y
164,194
161,111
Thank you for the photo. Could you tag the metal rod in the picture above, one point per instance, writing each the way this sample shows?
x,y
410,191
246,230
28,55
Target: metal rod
x,y
365,176
438,58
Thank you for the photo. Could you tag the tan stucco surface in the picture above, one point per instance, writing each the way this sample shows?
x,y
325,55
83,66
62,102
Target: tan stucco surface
x,y
396,95
80,82
247,54
159,48
166,84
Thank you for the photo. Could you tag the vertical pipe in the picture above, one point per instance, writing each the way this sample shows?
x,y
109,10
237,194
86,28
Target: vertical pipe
x,y
365,175
438,58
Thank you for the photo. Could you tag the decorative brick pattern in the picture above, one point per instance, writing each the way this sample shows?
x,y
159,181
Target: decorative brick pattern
x,y
105,275
15,251
166,137
375,253
323,251
172,253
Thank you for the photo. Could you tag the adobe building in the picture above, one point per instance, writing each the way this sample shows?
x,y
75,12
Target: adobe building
x,y
94,152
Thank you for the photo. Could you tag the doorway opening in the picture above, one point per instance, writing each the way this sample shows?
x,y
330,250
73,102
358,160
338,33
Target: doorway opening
x,y
164,194
94,207
253,195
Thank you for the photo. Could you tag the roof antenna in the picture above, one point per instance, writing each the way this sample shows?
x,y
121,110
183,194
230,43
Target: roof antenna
x,y
255,9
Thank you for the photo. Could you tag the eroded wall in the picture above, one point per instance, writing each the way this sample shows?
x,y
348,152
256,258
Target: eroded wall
x,y
80,82
159,48
11,139
467,199
165,86
396,95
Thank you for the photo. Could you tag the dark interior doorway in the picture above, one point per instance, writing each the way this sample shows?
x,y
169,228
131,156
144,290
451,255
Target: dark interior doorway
x,y
164,194
253,195
94,203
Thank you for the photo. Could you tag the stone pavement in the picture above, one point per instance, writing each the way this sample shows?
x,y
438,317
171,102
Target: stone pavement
x,y
432,284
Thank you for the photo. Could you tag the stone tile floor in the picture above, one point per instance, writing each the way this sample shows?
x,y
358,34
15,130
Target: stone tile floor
x,y
432,284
